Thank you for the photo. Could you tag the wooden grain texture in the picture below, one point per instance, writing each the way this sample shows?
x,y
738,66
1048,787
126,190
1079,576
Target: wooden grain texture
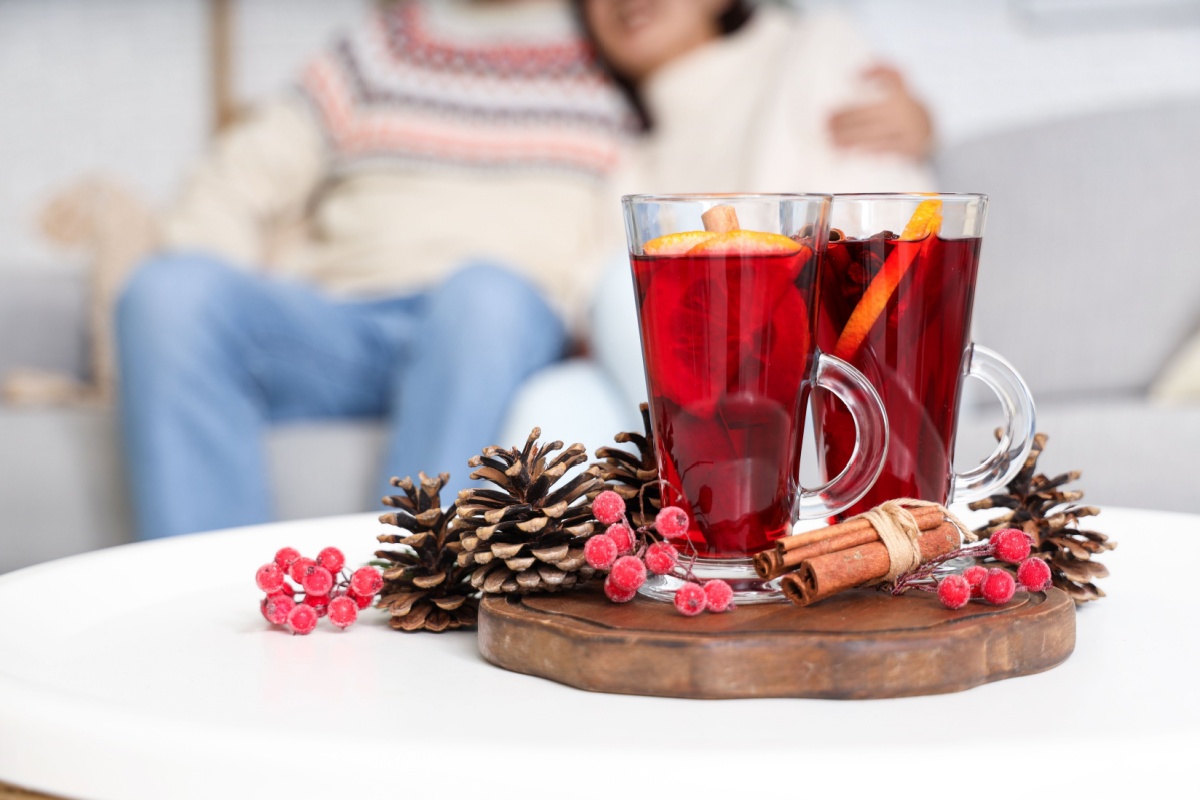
x,y
859,644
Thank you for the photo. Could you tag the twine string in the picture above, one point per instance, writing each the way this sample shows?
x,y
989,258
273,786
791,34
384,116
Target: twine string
x,y
898,531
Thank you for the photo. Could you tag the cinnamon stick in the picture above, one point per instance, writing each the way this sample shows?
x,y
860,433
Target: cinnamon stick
x,y
791,551
826,575
773,563
925,517
720,219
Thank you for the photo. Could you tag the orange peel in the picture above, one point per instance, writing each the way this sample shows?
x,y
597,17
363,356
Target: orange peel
x,y
675,244
925,221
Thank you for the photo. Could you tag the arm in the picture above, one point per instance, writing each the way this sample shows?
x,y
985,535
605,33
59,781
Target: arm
x,y
894,122
831,71
263,169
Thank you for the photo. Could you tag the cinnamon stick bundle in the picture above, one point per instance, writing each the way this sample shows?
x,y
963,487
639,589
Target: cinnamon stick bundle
x,y
825,575
790,551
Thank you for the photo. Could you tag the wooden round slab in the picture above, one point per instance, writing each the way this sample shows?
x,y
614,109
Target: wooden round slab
x,y
860,644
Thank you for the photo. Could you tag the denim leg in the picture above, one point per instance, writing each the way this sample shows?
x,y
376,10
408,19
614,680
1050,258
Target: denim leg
x,y
482,332
209,356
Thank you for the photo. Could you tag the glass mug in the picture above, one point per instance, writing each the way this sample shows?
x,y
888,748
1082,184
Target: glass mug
x,y
727,324
897,289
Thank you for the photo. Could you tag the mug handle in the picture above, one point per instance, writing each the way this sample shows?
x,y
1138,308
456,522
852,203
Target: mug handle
x,y
1016,438
870,445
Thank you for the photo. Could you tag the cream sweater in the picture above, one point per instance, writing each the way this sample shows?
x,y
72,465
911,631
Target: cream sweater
x,y
437,134
749,113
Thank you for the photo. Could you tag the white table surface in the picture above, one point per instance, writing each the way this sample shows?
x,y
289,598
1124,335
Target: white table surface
x,y
146,671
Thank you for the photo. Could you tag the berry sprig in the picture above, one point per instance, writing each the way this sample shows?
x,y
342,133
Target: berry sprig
x,y
991,585
324,587
631,555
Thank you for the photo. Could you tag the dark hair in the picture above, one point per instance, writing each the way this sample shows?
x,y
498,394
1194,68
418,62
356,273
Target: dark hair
x,y
731,20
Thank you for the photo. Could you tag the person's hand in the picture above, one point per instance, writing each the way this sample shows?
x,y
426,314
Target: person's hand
x,y
895,123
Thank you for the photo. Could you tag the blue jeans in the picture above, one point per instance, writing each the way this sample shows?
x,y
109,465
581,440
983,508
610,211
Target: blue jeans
x,y
211,355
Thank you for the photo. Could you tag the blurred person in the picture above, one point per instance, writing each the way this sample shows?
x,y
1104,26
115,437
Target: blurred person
x,y
448,160
739,98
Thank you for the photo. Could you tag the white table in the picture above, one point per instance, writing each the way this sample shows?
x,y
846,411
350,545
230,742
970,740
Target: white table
x,y
146,671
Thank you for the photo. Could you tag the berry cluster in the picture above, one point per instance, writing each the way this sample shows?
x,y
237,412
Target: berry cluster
x,y
992,585
323,588
630,557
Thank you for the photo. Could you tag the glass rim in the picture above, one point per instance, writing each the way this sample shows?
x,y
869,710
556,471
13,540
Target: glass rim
x,y
702,197
918,196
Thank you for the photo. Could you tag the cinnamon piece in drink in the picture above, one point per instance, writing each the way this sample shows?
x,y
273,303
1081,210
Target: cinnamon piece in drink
x,y
720,219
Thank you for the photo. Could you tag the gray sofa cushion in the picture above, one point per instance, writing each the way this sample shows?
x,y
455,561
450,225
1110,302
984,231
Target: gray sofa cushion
x,y
43,320
1089,278
63,491
1131,453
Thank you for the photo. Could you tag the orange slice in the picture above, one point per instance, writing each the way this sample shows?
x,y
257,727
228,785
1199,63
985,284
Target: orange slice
x,y
925,221
674,244
746,243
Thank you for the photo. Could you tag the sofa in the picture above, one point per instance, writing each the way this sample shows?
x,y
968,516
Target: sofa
x,y
1088,285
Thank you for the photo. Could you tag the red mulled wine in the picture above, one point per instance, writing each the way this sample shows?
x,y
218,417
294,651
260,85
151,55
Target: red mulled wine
x,y
910,340
727,343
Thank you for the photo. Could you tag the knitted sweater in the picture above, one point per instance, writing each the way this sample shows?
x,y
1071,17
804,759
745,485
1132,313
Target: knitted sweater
x,y
435,134
749,112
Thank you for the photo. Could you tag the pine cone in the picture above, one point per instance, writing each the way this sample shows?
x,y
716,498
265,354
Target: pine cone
x,y
1051,516
525,535
425,589
635,478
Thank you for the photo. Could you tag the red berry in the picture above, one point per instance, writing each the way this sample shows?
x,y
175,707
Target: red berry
x,y
1011,545
343,611
999,586
691,599
366,582
360,600
318,603
286,591
719,595
975,576
300,568
622,536
672,522
608,507
286,556
331,559
661,558
615,594
302,619
954,591
600,551
1034,574
277,607
628,573
269,578
319,581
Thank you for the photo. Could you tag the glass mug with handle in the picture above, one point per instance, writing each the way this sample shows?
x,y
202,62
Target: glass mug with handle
x,y
726,290
898,287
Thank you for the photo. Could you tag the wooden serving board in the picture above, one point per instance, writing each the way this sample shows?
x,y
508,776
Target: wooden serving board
x,y
860,644
10,792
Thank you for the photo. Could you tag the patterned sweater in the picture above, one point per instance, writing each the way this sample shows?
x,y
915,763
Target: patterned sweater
x,y
434,134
